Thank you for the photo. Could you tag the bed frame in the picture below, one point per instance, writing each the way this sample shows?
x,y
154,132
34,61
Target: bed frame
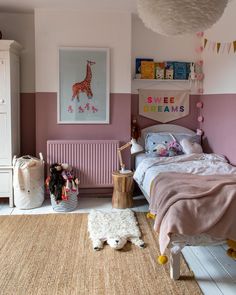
x,y
174,258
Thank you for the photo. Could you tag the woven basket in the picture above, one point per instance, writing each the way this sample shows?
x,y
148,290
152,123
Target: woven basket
x,y
65,206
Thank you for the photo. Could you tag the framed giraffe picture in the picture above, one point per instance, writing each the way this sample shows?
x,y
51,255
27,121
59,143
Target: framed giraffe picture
x,y
83,94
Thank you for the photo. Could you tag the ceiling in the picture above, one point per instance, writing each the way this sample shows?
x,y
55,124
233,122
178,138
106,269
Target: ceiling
x,y
30,5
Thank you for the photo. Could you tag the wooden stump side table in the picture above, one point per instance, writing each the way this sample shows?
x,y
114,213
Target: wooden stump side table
x,y
122,196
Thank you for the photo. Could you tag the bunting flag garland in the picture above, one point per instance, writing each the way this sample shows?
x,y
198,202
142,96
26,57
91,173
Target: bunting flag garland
x,y
213,46
234,46
219,47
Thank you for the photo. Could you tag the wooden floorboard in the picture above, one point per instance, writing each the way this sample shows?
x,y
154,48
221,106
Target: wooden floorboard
x,y
226,262
219,275
205,281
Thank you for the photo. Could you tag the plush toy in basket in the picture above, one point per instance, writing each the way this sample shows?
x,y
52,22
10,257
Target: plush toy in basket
x,y
63,187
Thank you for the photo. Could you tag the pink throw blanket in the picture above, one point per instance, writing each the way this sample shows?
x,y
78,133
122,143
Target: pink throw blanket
x,y
193,204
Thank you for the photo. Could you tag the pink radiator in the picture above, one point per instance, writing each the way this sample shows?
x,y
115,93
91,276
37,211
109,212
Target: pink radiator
x,y
93,160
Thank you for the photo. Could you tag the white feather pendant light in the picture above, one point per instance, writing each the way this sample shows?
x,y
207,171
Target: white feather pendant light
x,y
177,17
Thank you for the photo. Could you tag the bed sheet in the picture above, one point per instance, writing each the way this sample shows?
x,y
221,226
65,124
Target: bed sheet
x,y
201,164
142,156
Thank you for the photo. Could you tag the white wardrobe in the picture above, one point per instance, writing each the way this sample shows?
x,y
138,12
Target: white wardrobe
x,y
9,114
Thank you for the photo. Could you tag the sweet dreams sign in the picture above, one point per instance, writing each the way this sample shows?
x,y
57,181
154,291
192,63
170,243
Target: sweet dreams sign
x,y
163,105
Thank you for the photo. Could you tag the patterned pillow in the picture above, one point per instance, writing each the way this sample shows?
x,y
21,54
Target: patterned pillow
x,y
152,139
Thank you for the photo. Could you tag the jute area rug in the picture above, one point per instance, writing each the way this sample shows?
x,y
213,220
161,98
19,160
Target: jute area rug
x,y
52,254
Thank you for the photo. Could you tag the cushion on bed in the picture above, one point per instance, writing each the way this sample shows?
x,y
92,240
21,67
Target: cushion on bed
x,y
189,147
171,140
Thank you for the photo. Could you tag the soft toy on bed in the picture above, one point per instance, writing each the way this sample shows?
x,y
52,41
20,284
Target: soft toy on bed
x,y
161,150
189,147
171,149
232,249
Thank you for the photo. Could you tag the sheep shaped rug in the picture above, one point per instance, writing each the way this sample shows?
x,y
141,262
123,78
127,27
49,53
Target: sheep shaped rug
x,y
115,228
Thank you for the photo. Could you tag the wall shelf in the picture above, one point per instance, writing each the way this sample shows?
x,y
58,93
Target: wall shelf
x,y
166,84
161,80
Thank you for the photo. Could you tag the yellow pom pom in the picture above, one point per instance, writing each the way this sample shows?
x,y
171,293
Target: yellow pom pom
x,y
231,244
162,259
234,254
151,216
230,252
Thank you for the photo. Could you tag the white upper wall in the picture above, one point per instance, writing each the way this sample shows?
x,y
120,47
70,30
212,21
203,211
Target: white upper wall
x,y
220,69
55,28
146,43
20,27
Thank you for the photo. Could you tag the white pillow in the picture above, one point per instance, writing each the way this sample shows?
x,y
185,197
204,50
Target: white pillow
x,y
190,147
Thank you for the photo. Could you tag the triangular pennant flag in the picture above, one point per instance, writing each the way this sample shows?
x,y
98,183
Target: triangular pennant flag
x,y
209,45
223,50
205,42
218,46
213,45
229,47
234,46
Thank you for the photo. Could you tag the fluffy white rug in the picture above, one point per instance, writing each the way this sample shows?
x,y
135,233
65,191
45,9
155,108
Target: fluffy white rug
x,y
114,227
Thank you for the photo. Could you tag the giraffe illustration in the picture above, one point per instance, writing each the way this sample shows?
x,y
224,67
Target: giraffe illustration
x,y
85,85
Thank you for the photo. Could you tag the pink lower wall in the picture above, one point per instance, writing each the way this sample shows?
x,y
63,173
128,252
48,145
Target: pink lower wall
x,y
189,121
27,123
39,121
47,127
219,111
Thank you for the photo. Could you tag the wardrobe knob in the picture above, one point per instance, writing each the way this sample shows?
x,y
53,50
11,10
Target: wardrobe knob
x,y
2,100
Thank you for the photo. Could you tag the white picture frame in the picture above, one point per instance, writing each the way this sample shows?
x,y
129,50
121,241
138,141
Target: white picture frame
x,y
84,85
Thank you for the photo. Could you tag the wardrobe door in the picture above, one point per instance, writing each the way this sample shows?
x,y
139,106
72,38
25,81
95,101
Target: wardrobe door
x,y
5,128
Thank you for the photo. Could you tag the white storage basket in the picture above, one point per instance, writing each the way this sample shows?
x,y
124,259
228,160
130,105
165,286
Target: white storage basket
x,y
65,206
28,182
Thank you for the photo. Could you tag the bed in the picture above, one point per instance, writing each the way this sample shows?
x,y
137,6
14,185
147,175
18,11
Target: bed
x,y
160,177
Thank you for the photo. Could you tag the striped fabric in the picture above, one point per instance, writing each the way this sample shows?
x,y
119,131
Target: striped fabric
x,y
65,206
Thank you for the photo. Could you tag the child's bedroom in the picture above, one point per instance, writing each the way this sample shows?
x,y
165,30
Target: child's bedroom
x,y
117,147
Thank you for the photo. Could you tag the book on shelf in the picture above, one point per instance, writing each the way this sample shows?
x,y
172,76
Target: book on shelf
x,y
159,70
169,70
188,69
138,64
181,70
147,70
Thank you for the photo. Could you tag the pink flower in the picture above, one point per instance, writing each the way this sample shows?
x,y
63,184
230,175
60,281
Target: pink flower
x,y
199,49
200,34
199,63
200,76
200,119
199,105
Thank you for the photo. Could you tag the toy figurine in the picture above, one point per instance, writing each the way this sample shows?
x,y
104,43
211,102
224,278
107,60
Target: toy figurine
x,y
61,181
69,178
192,72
